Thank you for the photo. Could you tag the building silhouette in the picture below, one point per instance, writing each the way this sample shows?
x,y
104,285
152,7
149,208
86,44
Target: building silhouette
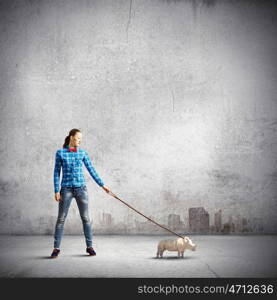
x,y
245,225
218,221
106,220
226,228
199,220
231,224
256,225
238,224
196,221
174,221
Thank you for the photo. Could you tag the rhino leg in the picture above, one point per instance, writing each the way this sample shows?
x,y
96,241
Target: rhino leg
x,y
158,252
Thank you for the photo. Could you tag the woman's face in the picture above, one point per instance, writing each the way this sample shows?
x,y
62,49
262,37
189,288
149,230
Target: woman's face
x,y
76,139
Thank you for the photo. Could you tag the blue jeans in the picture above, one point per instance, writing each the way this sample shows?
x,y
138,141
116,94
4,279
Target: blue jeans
x,y
81,196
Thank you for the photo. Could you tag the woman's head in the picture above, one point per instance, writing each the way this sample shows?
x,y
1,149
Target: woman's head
x,y
73,139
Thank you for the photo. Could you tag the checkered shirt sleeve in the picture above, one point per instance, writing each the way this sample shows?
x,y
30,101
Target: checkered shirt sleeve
x,y
57,171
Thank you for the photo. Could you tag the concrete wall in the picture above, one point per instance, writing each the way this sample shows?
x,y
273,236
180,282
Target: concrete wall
x,y
176,101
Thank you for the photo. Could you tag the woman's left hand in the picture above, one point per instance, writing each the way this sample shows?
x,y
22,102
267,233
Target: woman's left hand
x,y
106,189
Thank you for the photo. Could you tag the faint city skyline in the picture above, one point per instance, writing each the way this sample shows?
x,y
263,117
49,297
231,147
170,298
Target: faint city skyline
x,y
195,220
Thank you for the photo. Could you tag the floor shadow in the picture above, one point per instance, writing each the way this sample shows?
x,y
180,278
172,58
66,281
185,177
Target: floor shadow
x,y
49,257
80,255
64,255
172,258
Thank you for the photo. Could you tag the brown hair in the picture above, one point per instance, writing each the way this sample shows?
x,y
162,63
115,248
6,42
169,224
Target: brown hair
x,y
72,132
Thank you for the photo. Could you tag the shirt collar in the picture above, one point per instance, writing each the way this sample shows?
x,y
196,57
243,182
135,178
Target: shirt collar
x,y
67,147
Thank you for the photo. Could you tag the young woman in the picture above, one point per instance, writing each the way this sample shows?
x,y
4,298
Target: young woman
x,y
73,185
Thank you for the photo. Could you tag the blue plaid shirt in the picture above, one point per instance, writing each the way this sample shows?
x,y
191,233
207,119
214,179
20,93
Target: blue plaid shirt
x,y
71,163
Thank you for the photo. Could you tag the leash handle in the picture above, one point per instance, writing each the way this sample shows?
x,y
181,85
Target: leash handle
x,y
112,194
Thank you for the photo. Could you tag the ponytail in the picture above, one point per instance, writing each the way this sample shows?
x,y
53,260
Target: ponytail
x,y
66,141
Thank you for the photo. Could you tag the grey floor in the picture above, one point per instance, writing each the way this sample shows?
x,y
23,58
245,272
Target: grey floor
x,y
135,256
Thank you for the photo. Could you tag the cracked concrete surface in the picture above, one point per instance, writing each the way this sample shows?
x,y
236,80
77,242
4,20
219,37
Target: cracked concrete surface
x,y
129,20
124,256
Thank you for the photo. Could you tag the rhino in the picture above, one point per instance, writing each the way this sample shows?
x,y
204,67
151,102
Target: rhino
x,y
179,245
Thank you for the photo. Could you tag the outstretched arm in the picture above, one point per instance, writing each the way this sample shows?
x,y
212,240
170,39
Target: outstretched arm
x,y
93,173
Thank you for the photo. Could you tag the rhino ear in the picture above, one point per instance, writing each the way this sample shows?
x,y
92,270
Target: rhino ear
x,y
185,240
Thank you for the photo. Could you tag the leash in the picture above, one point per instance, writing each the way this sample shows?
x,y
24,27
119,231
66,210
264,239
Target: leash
x,y
112,194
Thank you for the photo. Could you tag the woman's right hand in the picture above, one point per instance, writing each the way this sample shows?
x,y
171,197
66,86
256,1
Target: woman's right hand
x,y
57,196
